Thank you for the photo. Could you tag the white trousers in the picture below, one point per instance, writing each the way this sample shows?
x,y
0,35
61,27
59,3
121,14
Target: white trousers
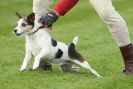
x,y
114,21
105,10
40,7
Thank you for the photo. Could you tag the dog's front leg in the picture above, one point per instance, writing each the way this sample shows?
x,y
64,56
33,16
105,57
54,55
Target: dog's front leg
x,y
28,56
42,54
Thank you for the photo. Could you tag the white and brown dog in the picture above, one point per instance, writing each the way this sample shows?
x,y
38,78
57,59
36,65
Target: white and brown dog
x,y
40,45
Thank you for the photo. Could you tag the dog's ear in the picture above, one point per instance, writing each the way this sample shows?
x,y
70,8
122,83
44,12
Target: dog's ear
x,y
19,16
30,19
31,16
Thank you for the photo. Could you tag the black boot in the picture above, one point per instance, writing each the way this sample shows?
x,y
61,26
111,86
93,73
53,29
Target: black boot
x,y
45,65
127,54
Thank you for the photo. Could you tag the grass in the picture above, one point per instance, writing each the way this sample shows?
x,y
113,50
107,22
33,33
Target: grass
x,y
96,45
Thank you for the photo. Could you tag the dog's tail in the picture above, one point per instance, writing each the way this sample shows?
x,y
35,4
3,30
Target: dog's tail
x,y
75,40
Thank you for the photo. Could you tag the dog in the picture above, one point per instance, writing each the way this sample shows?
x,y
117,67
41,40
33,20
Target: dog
x,y
41,45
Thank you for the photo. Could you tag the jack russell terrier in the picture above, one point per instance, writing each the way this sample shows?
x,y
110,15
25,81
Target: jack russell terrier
x,y
40,45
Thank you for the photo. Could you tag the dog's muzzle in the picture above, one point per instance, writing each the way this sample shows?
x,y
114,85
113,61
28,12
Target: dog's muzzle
x,y
15,31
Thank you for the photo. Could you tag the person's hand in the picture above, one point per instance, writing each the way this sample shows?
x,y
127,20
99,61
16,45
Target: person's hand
x,y
48,19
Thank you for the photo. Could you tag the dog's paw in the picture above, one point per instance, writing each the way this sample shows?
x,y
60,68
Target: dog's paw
x,y
99,76
34,68
21,70
35,65
30,69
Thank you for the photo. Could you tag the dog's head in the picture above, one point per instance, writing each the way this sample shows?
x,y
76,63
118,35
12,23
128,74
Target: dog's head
x,y
24,25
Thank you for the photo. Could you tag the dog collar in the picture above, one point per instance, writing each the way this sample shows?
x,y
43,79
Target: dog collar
x,y
36,30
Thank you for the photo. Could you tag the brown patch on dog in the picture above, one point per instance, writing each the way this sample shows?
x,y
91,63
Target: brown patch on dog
x,y
31,16
73,54
30,19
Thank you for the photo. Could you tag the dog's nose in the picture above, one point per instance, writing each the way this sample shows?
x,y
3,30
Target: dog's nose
x,y
15,30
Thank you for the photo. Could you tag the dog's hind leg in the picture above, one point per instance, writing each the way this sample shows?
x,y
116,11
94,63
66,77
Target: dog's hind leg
x,y
86,65
78,59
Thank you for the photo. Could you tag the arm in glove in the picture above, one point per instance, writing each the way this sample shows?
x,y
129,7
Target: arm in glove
x,y
48,19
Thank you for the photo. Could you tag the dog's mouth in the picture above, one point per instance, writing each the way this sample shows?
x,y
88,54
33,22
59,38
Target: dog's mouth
x,y
18,34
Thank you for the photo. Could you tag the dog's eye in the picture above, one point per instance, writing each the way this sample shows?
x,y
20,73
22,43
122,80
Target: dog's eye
x,y
24,24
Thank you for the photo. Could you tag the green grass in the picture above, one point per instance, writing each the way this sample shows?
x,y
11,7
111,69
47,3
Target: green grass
x,y
96,45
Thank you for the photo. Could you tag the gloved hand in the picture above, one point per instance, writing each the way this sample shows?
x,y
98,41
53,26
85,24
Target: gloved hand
x,y
48,19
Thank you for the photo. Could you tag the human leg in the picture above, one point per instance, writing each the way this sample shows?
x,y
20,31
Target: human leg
x,y
118,29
